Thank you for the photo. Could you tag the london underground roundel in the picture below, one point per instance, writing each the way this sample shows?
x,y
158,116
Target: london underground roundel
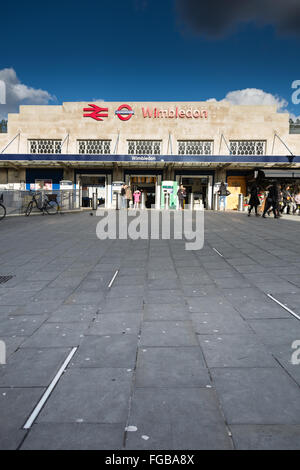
x,y
124,112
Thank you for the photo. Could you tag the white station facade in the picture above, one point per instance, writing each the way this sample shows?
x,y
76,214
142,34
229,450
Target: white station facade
x,y
96,145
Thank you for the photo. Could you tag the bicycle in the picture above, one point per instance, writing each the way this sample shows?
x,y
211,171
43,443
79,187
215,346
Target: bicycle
x,y
48,205
2,208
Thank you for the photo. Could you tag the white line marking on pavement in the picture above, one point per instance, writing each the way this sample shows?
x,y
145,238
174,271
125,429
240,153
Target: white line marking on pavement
x,y
283,306
49,390
111,282
220,254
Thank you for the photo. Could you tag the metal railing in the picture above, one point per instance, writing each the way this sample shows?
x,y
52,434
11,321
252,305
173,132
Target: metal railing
x,y
16,201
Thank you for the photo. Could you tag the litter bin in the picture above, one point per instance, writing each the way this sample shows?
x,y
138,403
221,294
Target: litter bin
x,y
216,202
94,201
241,203
167,200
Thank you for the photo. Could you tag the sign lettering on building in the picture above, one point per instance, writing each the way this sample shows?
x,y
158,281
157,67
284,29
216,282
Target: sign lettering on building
x,y
174,113
125,112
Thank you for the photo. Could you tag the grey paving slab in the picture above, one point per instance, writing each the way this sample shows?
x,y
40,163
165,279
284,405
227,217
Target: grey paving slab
x,y
232,282
176,419
129,281
130,304
22,325
171,367
266,437
12,298
53,294
89,395
75,436
209,304
168,333
257,395
132,271
57,335
235,350
291,301
288,356
162,284
82,298
222,273
255,305
160,312
107,351
73,313
66,282
32,367
6,310
164,274
125,291
118,323
16,404
37,308
12,344
276,331
218,323
200,291
164,297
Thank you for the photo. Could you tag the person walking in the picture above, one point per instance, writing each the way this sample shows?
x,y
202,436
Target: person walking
x,y
287,200
136,197
181,194
273,201
128,195
297,202
123,199
254,200
223,193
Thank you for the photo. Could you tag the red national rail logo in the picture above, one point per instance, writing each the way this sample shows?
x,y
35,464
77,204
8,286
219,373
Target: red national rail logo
x,y
95,112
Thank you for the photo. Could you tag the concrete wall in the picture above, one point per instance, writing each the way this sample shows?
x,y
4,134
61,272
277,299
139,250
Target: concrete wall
x,y
234,122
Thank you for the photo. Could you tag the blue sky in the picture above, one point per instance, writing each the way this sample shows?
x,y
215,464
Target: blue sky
x,y
143,50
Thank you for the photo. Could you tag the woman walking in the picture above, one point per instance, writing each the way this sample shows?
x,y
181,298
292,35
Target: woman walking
x,y
254,200
136,197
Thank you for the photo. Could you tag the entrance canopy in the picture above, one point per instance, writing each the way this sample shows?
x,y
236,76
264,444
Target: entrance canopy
x,y
147,161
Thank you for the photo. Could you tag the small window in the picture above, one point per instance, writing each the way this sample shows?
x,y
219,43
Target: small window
x,y
44,146
94,147
195,147
144,147
247,147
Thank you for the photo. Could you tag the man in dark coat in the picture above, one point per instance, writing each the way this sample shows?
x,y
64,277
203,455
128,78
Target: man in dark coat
x,y
254,199
181,193
273,200
287,199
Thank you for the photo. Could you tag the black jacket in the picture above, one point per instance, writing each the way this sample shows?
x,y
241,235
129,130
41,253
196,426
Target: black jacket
x,y
254,199
274,193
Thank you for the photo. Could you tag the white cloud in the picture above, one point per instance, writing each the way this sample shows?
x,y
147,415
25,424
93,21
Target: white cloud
x,y
255,96
18,93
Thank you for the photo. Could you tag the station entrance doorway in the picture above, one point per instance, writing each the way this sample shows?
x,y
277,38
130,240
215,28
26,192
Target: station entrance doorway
x,y
94,189
150,187
198,189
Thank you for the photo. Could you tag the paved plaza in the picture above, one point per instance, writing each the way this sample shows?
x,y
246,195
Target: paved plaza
x,y
185,350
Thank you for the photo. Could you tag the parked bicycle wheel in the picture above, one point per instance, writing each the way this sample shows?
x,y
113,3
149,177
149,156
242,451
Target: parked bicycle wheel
x,y
29,208
51,207
2,212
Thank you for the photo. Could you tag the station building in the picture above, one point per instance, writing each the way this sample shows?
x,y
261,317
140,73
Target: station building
x,y
96,145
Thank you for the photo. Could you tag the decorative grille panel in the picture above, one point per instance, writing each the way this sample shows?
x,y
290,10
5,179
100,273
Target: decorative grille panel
x,y
247,147
94,147
195,147
44,146
144,147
